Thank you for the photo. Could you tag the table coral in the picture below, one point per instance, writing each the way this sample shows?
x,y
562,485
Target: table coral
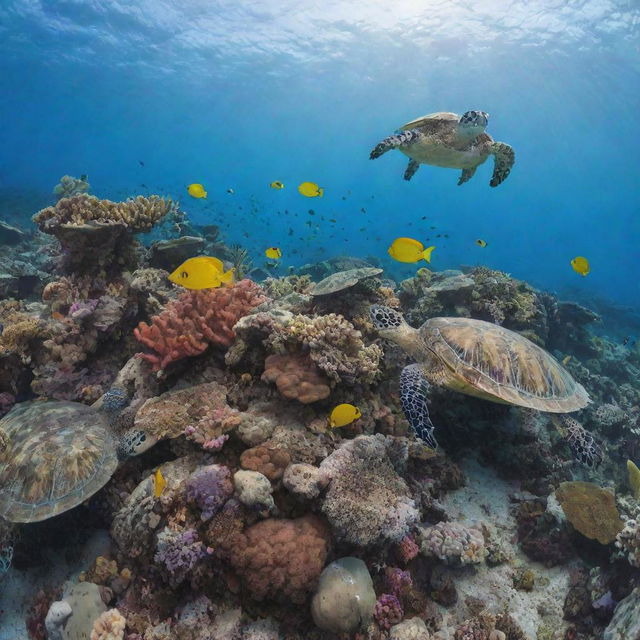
x,y
197,319
281,559
296,377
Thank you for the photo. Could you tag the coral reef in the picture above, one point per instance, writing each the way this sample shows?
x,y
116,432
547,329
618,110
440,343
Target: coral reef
x,y
454,543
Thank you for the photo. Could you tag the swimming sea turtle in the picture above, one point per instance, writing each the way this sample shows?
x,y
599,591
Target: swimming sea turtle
x,y
56,455
479,359
452,141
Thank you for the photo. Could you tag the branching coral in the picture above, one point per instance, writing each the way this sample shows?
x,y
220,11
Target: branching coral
x,y
196,320
281,559
296,377
454,543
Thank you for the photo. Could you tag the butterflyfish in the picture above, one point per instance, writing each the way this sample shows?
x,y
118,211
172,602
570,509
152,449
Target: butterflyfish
x,y
159,483
203,272
196,190
409,250
276,184
481,243
343,415
581,265
310,190
273,253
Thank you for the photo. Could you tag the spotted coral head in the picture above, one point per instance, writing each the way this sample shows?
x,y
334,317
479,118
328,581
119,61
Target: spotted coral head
x,y
385,318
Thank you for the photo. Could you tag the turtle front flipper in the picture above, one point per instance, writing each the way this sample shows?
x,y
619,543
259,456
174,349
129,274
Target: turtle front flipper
x,y
412,167
466,175
396,141
504,159
414,389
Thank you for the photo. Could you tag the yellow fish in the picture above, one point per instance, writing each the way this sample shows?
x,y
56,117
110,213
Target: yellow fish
x,y
409,250
196,190
580,265
159,483
481,243
343,415
202,272
273,253
310,189
276,184
565,360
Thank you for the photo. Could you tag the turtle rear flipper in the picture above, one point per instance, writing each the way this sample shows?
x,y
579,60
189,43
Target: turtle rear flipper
x,y
396,141
504,158
466,175
412,167
414,389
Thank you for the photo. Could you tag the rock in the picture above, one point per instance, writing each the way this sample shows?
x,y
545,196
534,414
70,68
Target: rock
x,y
169,254
10,235
344,600
625,624
412,629
86,606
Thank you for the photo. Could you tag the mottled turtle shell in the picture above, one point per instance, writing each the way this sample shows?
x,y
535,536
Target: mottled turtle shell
x,y
57,455
489,361
435,121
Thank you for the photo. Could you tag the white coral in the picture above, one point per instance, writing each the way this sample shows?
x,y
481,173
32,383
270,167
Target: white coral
x,y
628,540
454,543
109,626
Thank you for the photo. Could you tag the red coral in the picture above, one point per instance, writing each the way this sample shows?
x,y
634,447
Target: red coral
x,y
195,320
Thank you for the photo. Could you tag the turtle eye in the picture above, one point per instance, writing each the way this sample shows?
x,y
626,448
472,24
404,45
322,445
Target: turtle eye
x,y
184,274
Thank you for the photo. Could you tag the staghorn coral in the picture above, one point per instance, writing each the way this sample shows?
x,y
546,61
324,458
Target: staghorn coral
x,y
281,559
454,543
197,319
296,377
333,343
109,626
268,460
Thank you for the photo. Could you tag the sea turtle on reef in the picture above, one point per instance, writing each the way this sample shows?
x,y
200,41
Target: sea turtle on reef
x,y
479,359
57,454
451,141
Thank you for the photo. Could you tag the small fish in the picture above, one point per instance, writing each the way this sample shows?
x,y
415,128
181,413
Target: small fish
x,y
565,360
230,190
409,250
203,272
310,190
311,212
276,184
141,163
273,253
581,265
343,415
363,210
481,243
159,483
196,190
84,177
56,315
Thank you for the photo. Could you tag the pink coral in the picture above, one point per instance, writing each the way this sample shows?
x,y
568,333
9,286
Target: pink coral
x,y
296,377
407,549
388,611
197,319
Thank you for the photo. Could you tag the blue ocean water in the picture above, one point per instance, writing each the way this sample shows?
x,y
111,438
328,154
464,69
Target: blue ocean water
x,y
236,94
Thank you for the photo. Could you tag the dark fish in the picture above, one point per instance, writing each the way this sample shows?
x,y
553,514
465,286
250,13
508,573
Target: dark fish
x,y
141,163
363,210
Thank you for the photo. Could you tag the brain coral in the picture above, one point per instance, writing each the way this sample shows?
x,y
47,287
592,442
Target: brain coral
x,y
281,559
454,543
296,377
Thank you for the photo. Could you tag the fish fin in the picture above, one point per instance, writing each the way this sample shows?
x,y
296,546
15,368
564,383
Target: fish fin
x,y
426,254
320,191
504,159
466,175
412,167
227,276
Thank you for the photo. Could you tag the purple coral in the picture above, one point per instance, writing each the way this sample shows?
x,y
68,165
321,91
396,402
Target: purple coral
x,y
209,488
178,553
388,611
396,580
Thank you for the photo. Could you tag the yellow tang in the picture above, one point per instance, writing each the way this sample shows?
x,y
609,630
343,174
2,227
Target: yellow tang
x,y
276,184
273,253
580,265
565,360
310,189
202,272
409,250
481,243
196,190
343,415
159,483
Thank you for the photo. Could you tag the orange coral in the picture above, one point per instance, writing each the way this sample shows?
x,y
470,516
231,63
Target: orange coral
x,y
269,461
296,377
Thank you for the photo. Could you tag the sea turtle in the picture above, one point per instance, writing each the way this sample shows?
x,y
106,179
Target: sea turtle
x,y
452,141
479,359
57,454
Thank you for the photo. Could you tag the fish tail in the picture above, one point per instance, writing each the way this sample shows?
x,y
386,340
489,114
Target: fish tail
x,y
321,192
227,276
426,254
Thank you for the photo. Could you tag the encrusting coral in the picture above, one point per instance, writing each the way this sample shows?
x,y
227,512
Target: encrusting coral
x,y
454,543
196,320
296,377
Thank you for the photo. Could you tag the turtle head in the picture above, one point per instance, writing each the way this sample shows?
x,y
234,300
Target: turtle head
x,y
473,123
134,442
385,319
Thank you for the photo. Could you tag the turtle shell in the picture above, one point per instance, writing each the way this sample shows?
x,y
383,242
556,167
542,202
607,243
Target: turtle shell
x,y
489,361
57,455
435,120
343,280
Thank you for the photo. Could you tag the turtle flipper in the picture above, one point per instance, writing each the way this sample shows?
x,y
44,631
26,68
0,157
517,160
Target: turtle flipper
x,y
403,139
466,174
412,167
414,389
504,158
582,444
